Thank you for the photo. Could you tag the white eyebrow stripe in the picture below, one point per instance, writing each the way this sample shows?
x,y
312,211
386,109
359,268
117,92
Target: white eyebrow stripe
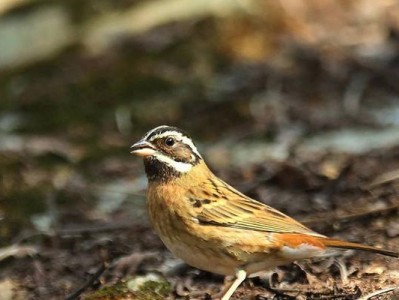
x,y
177,165
180,137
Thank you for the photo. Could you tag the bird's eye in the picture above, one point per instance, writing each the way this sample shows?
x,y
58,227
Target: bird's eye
x,y
169,141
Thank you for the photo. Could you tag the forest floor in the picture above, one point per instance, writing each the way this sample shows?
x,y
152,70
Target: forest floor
x,y
350,206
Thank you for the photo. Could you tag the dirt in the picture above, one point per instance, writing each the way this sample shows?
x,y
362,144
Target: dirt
x,y
350,210
73,223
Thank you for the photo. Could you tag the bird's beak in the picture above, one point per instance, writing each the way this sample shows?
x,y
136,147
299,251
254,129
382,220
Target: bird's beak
x,y
142,148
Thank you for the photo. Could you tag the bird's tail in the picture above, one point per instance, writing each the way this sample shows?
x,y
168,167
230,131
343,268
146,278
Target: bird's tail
x,y
332,243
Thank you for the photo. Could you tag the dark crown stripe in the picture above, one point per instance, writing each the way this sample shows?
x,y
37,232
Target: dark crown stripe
x,y
162,129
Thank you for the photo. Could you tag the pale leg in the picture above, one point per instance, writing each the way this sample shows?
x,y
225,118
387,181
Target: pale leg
x,y
240,277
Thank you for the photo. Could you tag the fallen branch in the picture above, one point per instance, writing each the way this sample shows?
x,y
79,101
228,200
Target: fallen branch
x,y
17,251
355,216
88,283
385,178
96,229
379,293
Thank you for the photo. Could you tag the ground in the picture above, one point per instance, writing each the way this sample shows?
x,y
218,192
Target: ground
x,y
346,207
288,111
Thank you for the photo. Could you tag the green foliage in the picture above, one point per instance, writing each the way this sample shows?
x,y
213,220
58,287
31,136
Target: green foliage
x,y
149,290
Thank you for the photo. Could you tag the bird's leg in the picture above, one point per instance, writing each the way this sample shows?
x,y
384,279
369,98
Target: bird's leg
x,y
230,289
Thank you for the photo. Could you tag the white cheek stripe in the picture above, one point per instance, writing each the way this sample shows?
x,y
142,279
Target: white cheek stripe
x,y
177,165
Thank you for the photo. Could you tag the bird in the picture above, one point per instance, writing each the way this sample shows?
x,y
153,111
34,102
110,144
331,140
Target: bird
x,y
211,225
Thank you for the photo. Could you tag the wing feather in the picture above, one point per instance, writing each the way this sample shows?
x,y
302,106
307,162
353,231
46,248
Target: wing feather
x,y
226,206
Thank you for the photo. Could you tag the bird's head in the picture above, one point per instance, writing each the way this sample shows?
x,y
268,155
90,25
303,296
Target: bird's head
x,y
168,152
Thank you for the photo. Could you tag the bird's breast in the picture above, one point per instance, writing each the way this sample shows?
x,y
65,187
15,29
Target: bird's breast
x,y
183,236
218,249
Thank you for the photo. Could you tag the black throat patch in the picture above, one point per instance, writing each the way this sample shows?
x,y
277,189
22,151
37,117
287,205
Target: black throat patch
x,y
159,171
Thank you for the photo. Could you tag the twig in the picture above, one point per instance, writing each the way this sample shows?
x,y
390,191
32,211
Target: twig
x,y
96,229
379,293
88,283
385,178
17,251
82,230
355,216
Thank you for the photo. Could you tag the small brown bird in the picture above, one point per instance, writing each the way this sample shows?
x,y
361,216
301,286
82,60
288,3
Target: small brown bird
x,y
212,226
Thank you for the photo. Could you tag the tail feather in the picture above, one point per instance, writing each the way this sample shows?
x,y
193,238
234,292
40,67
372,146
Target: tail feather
x,y
332,243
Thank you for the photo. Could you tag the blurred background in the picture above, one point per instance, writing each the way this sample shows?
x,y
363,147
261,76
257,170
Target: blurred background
x,y
294,102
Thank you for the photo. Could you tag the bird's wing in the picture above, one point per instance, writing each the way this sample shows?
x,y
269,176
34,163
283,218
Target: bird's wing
x,y
221,205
